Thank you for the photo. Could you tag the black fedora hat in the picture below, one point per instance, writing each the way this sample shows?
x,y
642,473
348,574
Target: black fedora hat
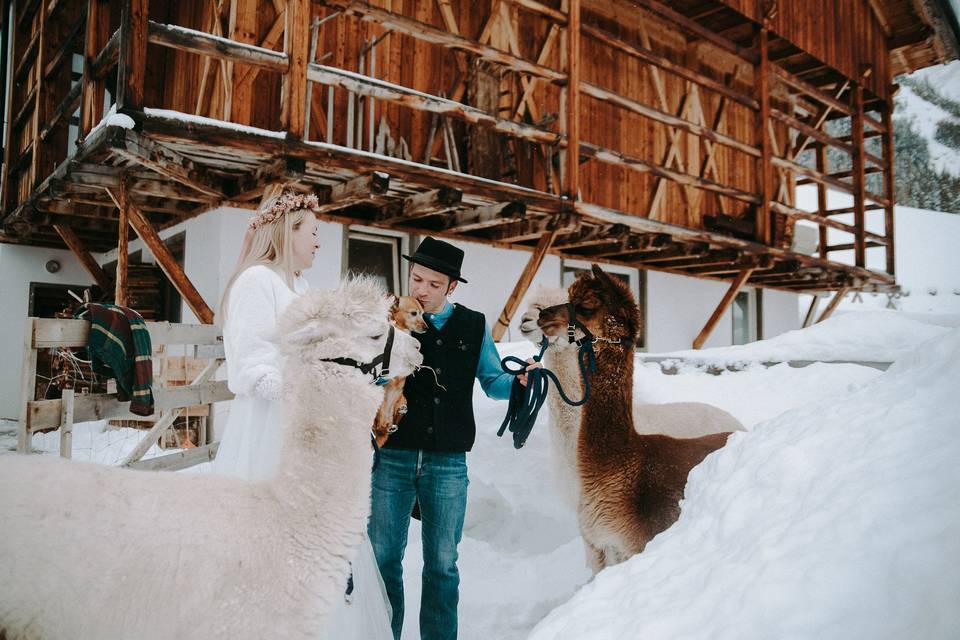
x,y
440,256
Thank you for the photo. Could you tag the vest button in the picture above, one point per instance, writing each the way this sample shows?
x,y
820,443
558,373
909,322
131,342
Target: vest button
x,y
439,342
429,429
438,371
436,401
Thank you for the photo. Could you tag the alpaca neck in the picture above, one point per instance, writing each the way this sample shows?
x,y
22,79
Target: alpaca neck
x,y
325,457
562,361
607,424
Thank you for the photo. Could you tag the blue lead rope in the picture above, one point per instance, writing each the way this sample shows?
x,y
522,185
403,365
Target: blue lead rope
x,y
525,402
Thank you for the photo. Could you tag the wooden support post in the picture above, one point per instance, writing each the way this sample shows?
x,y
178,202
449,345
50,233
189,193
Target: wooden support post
x,y
724,303
889,188
823,166
86,260
811,311
167,262
28,385
764,167
123,252
132,61
520,289
296,44
834,303
859,177
66,424
572,169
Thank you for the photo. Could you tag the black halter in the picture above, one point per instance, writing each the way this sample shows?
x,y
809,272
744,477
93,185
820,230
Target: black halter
x,y
371,367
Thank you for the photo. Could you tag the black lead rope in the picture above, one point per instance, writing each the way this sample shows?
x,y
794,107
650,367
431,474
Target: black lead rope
x,y
525,402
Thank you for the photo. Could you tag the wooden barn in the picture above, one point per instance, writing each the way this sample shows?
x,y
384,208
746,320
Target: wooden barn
x,y
693,122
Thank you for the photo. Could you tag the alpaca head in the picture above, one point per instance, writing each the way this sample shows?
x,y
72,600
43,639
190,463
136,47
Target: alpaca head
x,y
543,297
350,321
604,305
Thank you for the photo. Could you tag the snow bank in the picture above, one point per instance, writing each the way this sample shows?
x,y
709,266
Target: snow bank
x,y
835,520
869,336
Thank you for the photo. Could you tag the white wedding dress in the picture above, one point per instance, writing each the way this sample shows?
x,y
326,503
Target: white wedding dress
x,y
250,446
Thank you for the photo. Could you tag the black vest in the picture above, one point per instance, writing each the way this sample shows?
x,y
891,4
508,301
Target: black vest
x,y
440,416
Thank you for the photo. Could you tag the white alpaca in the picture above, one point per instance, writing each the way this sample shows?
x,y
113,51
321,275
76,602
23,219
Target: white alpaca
x,y
675,419
99,552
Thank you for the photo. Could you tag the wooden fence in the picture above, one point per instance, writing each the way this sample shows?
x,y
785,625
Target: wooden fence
x,y
205,341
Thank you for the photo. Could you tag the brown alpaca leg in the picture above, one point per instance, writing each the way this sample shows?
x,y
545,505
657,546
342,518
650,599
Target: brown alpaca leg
x,y
596,558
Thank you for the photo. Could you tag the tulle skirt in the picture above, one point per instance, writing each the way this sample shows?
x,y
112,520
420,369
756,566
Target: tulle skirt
x,y
366,614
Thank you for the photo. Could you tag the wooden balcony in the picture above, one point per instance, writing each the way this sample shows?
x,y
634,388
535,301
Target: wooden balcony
x,y
690,140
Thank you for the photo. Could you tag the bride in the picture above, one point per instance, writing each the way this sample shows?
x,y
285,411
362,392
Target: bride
x,y
280,243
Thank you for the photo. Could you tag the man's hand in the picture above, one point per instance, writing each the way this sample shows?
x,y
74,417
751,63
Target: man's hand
x,y
533,364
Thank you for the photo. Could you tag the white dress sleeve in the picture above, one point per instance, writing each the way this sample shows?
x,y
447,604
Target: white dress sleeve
x,y
253,359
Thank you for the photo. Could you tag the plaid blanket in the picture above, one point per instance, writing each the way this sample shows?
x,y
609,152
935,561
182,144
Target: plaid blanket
x,y
119,347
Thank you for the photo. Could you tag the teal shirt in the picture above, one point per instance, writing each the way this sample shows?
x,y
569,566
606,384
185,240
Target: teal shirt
x,y
495,383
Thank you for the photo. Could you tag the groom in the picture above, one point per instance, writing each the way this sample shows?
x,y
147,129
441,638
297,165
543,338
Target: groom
x,y
425,460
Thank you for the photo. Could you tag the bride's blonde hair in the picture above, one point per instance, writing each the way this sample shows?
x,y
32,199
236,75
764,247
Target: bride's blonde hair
x,y
268,238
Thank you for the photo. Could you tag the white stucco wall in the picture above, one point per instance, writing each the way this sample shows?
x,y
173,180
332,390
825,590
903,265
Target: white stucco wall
x,y
677,309
781,312
19,266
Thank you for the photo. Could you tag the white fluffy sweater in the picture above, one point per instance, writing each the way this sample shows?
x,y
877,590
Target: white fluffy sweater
x,y
258,297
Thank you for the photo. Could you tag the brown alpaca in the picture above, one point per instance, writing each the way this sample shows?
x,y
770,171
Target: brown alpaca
x,y
630,484
405,314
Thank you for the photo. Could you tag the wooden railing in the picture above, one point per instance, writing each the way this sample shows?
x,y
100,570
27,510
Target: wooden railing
x,y
774,148
204,341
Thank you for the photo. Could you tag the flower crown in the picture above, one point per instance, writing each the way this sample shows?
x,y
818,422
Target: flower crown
x,y
289,201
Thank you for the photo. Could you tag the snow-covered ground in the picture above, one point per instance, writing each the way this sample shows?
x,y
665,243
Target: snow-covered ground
x,y
834,516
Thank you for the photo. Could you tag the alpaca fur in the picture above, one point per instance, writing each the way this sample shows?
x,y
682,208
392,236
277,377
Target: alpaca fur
x,y
675,419
406,314
631,484
100,552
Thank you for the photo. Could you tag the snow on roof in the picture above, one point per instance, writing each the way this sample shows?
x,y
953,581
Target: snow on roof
x,y
833,520
178,116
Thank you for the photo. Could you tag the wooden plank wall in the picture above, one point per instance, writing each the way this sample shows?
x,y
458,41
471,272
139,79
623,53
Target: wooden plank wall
x,y
824,28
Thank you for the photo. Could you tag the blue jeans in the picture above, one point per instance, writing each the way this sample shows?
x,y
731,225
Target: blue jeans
x,y
439,482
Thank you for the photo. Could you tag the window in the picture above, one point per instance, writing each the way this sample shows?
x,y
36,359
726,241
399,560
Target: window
x,y
747,312
376,255
634,278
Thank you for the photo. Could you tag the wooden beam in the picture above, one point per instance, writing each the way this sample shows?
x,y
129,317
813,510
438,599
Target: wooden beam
x,y
132,60
354,190
571,187
123,252
834,303
28,385
657,115
694,28
645,55
98,24
721,308
199,42
389,92
485,216
764,168
296,46
859,177
165,161
523,283
889,186
429,33
421,205
86,260
167,262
